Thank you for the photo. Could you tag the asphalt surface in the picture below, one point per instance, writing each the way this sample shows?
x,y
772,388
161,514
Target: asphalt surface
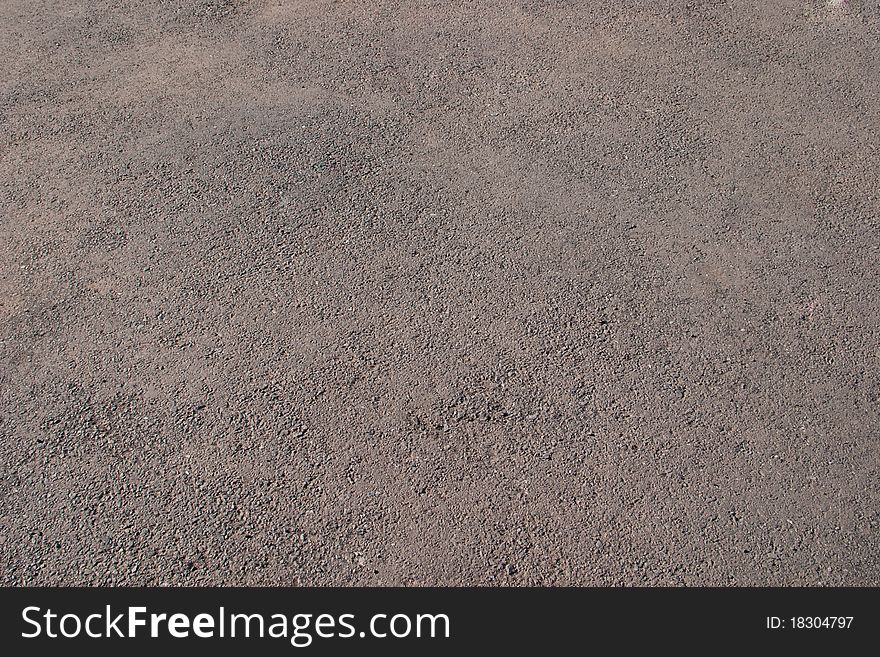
x,y
495,293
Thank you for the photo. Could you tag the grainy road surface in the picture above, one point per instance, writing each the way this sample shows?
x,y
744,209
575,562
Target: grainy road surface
x,y
497,293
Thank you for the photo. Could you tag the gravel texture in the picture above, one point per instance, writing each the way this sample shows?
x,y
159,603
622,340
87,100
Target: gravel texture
x,y
493,293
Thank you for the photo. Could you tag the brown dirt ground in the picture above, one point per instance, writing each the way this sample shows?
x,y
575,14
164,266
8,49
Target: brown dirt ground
x,y
496,293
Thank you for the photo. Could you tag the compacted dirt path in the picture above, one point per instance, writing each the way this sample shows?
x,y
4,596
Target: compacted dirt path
x,y
497,293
